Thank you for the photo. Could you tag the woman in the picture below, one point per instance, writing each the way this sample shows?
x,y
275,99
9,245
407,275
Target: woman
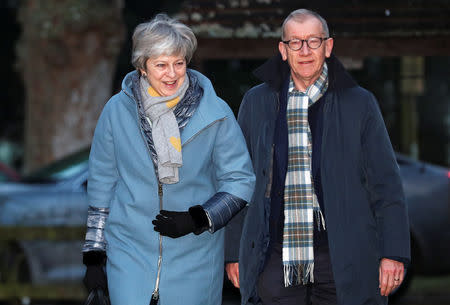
x,y
168,157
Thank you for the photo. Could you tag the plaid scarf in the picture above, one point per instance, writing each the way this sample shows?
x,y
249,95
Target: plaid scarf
x,y
300,200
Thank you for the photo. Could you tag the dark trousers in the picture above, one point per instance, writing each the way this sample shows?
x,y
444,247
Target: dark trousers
x,y
271,284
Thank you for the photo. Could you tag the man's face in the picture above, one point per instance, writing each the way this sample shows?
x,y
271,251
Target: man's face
x,y
306,64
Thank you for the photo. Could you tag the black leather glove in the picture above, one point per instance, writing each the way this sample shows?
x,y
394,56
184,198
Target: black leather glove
x,y
95,276
177,224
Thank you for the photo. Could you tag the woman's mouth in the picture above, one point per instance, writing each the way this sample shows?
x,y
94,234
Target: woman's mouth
x,y
171,84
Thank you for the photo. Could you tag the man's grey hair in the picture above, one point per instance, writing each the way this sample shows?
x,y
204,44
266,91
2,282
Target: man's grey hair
x,y
162,35
301,15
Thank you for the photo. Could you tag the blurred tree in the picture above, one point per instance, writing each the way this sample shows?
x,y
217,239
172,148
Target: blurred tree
x,y
67,54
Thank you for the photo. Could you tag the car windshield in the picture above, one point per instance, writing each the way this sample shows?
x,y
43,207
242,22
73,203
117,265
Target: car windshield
x,y
60,169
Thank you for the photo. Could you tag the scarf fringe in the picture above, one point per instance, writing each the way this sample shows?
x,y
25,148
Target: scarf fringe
x,y
298,274
320,219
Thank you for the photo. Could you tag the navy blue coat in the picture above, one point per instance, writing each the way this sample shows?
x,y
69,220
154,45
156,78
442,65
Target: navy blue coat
x,y
365,211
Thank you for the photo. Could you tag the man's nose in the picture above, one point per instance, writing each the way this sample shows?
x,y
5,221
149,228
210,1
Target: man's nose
x,y
305,49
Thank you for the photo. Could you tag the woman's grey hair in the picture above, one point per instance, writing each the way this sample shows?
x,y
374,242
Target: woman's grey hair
x,y
161,35
301,15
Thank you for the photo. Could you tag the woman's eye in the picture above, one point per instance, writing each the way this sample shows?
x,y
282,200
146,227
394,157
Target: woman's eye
x,y
160,65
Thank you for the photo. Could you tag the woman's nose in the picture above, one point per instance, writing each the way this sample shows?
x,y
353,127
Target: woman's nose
x,y
171,71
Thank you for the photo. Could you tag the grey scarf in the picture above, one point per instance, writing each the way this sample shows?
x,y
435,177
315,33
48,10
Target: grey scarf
x,y
165,132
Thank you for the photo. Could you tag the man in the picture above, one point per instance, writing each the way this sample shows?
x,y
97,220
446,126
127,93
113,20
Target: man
x,y
328,222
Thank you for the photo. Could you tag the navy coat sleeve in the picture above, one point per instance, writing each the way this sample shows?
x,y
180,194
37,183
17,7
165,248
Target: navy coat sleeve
x,y
384,185
233,229
233,232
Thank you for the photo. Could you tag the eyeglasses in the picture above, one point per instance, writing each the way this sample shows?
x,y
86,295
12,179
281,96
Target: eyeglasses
x,y
312,43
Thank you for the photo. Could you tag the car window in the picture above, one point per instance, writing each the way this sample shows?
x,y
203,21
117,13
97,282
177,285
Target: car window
x,y
69,171
61,169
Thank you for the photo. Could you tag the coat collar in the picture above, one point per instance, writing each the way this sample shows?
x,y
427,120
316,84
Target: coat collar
x,y
127,82
274,67
208,111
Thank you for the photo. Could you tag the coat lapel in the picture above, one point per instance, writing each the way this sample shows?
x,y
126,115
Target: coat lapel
x,y
209,111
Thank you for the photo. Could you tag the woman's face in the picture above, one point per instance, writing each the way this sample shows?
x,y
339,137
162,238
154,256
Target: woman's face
x,y
165,73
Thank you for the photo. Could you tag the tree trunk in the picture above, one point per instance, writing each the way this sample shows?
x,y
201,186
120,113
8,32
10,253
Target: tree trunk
x,y
67,55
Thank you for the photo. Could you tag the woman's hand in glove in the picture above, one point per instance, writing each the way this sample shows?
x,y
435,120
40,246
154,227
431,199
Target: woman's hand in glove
x,y
95,276
177,224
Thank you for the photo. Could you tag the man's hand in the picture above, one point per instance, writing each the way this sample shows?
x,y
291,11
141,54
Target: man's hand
x,y
391,275
232,270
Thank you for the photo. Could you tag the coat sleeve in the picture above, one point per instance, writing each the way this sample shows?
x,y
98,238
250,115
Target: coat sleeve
x,y
233,230
234,170
101,183
384,185
234,173
103,173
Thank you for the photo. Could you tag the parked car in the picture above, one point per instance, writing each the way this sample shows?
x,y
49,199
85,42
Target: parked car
x,y
56,196
427,194
7,173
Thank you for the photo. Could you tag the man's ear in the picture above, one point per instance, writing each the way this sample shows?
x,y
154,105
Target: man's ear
x,y
328,47
282,49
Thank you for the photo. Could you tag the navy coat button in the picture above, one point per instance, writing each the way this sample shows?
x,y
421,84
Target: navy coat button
x,y
253,244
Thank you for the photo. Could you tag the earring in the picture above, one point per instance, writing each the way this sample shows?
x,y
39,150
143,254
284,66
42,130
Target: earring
x,y
144,74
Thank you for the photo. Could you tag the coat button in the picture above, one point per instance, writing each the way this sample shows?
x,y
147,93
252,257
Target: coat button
x,y
264,172
253,244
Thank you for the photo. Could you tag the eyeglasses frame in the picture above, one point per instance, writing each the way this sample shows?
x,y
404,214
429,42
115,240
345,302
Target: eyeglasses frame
x,y
322,39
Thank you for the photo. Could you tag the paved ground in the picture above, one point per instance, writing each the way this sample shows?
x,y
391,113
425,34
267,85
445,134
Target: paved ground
x,y
421,291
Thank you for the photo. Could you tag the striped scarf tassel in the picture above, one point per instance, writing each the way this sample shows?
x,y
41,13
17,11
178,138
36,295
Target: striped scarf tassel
x,y
298,274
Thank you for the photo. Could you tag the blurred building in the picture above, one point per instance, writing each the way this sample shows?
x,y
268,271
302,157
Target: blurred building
x,y
400,50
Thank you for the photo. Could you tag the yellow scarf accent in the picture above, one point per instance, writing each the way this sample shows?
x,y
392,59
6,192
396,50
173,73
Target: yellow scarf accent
x,y
176,143
170,104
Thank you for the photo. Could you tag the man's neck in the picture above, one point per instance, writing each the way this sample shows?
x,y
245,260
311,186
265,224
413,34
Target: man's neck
x,y
303,84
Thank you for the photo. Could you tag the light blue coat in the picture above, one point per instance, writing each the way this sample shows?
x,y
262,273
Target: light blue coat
x,y
122,177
